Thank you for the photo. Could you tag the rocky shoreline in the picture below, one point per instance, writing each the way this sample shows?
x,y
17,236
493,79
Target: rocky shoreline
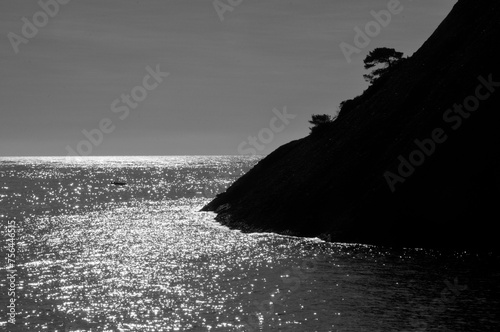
x,y
414,161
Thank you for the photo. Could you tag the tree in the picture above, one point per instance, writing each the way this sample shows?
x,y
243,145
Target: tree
x,y
319,121
386,57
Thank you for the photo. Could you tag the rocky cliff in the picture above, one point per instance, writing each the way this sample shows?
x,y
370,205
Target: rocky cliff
x,y
413,161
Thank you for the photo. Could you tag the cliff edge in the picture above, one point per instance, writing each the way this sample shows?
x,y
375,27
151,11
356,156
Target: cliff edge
x,y
414,161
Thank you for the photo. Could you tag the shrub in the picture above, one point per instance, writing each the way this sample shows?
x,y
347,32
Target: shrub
x,y
320,121
385,57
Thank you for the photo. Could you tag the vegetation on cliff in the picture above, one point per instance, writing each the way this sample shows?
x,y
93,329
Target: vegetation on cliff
x,y
413,161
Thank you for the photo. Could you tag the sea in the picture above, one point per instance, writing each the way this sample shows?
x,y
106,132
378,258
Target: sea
x,y
80,253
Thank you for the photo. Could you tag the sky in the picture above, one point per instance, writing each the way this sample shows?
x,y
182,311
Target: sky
x,y
185,77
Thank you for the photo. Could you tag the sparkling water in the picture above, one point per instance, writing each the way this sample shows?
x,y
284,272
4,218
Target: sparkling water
x,y
84,254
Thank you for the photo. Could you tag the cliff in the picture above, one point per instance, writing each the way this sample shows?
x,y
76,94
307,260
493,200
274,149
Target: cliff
x,y
413,161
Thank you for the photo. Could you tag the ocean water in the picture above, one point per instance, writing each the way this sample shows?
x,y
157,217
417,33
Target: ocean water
x,y
81,254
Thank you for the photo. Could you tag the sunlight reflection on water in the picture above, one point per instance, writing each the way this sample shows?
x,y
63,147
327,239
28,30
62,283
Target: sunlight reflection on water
x,y
95,257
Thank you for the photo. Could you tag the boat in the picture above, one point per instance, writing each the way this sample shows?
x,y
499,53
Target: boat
x,y
119,182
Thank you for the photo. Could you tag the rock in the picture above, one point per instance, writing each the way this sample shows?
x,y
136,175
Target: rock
x,y
450,198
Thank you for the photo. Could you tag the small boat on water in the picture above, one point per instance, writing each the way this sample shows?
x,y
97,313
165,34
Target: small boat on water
x,y
119,182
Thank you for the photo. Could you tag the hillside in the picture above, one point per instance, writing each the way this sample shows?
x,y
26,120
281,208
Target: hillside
x,y
336,184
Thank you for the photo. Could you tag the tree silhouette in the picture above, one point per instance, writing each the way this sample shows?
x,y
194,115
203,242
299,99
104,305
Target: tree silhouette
x,y
319,121
387,57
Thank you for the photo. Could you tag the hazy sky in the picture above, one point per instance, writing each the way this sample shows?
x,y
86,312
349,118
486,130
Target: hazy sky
x,y
225,77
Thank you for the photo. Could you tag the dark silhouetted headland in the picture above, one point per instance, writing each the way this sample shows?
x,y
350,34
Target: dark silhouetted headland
x,y
413,161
